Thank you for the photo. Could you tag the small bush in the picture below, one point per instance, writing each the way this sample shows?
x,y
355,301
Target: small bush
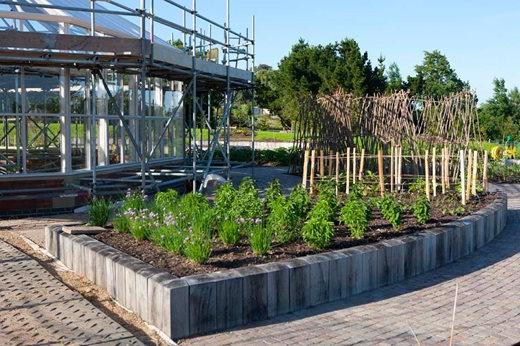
x,y
392,210
327,193
167,200
134,200
421,210
99,212
260,238
169,235
224,202
272,192
198,245
318,231
142,223
190,207
355,214
121,224
418,186
229,232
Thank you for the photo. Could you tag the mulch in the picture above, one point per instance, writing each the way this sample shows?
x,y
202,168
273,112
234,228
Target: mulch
x,y
228,257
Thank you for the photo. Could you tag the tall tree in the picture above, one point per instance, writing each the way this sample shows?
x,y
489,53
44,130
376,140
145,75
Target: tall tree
x,y
394,79
435,77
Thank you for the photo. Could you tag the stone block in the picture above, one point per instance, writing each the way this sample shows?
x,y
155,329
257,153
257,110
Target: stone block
x,y
278,302
111,272
319,272
254,293
230,299
413,259
478,230
155,295
141,287
101,265
490,224
338,275
65,244
78,251
467,235
83,229
176,312
202,303
429,250
357,281
91,250
452,244
370,266
52,236
131,268
299,284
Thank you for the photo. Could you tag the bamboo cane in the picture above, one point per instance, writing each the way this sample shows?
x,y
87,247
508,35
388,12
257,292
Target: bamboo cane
x,y
469,173
400,167
331,163
347,183
361,164
443,170
434,171
392,169
322,164
337,173
305,164
313,167
354,166
474,175
462,182
427,174
380,171
484,172
448,151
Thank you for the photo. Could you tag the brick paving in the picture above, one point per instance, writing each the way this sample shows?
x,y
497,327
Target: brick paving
x,y
488,308
36,308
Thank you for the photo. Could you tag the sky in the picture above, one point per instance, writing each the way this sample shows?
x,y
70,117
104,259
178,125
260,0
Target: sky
x,y
479,37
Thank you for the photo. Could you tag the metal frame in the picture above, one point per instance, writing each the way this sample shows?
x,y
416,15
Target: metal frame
x,y
199,81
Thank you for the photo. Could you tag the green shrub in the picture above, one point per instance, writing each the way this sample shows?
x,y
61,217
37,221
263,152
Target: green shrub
x,y
224,200
392,210
327,193
169,235
198,245
421,210
229,232
142,223
166,201
299,203
418,186
318,231
356,214
247,207
134,200
260,238
121,224
99,212
273,192
190,207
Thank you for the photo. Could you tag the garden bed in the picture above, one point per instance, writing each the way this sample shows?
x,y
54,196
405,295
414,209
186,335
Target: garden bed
x,y
240,255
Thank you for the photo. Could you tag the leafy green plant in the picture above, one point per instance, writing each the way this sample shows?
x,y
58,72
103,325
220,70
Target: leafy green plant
x,y
422,210
142,223
167,200
189,208
355,214
198,245
272,192
224,200
121,224
169,235
134,200
99,212
260,238
318,231
229,232
392,210
327,193
418,186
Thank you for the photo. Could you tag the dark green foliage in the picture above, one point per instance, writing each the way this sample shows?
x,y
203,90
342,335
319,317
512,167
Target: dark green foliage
x,y
99,212
318,231
418,186
273,192
499,172
198,244
229,232
260,238
167,200
392,210
327,193
356,215
421,210
247,203
121,224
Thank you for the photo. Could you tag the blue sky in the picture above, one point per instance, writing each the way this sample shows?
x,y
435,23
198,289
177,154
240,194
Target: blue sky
x,y
479,37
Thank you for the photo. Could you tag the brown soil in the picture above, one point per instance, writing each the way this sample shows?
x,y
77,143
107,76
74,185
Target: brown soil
x,y
226,257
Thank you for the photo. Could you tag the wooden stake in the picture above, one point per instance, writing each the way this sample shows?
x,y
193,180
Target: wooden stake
x,y
447,169
469,173
434,171
380,171
313,167
474,175
462,177
361,164
330,157
484,172
392,169
427,174
354,166
400,168
347,184
443,172
322,164
337,173
305,164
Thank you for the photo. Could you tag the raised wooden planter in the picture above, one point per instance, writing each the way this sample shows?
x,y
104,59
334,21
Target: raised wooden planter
x,y
200,304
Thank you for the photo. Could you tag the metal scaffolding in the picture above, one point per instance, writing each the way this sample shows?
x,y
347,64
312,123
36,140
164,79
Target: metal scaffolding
x,y
126,77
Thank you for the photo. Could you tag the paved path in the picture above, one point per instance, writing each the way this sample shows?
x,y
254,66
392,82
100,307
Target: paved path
x,y
488,309
36,308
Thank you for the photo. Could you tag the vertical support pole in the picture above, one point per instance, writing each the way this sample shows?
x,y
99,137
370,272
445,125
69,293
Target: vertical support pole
x,y
330,157
121,105
253,133
474,174
392,167
427,173
447,169
400,166
194,97
380,172
337,173
361,164
103,122
347,182
313,160
354,166
65,120
443,171
484,172
142,117
434,171
462,178
469,173
23,127
304,170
